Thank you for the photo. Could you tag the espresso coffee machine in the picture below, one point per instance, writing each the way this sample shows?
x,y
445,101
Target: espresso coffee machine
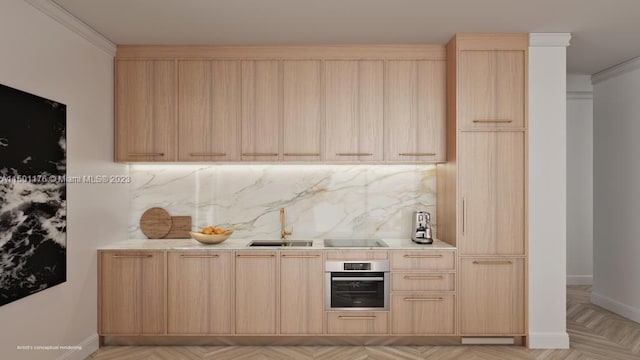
x,y
421,229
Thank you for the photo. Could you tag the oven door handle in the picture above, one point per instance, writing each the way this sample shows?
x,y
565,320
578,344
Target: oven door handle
x,y
355,278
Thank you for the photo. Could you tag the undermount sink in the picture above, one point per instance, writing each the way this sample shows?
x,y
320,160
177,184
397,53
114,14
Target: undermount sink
x,y
279,243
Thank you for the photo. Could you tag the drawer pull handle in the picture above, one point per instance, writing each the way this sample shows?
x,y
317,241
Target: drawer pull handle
x,y
300,256
487,121
423,256
255,256
208,154
133,256
430,277
146,154
352,317
493,262
356,278
417,154
423,299
259,154
199,256
354,154
301,154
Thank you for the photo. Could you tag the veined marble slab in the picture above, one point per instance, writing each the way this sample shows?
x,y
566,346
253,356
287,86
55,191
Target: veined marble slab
x,y
321,201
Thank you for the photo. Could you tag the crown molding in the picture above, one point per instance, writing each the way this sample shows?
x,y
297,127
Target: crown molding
x,y
579,95
549,39
62,16
616,70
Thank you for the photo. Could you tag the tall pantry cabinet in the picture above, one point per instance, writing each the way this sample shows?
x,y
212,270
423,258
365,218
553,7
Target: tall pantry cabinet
x,y
482,186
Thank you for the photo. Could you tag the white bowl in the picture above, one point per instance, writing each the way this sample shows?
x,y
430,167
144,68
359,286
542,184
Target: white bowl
x,y
211,239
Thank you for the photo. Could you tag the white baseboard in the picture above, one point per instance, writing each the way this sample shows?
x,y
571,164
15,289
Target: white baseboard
x,y
579,279
548,340
87,347
617,307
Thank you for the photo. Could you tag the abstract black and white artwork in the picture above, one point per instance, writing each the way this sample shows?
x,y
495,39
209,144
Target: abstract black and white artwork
x,y
33,217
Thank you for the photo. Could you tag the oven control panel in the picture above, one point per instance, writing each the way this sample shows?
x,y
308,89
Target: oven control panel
x,y
357,266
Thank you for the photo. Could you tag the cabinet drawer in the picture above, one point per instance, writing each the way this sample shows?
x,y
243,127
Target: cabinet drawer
x,y
357,322
356,255
423,260
422,282
422,314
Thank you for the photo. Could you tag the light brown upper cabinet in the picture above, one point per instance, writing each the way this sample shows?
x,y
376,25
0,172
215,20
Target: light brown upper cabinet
x,y
209,110
354,110
492,189
261,110
302,118
415,110
333,103
492,91
145,110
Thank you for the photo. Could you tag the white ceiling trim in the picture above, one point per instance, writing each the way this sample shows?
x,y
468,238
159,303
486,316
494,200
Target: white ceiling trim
x,y
549,39
62,16
616,70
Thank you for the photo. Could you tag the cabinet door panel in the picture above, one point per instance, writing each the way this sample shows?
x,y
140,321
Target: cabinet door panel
x,y
200,296
415,112
145,110
422,314
492,187
132,293
354,110
491,296
492,89
261,110
302,118
209,110
256,292
301,292
422,281
423,260
357,322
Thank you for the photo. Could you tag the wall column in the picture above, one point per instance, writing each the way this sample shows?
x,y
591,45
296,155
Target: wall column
x,y
547,190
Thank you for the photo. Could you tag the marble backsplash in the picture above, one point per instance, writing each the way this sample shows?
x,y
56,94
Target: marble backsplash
x,y
321,201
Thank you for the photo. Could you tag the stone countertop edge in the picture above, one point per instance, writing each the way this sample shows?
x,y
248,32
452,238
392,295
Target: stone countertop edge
x,y
241,244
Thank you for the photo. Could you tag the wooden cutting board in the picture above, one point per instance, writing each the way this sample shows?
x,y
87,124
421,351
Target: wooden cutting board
x,y
180,227
155,223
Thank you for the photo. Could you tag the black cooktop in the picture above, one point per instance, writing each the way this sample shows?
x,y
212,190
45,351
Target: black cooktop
x,y
354,243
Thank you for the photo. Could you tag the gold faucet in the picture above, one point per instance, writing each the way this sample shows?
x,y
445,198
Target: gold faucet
x,y
283,232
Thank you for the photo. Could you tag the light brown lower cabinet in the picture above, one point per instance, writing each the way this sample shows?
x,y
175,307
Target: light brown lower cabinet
x,y
131,293
301,292
422,314
357,322
256,290
492,300
200,292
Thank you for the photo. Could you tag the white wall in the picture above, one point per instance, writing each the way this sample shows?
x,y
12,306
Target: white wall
x,y
579,179
40,56
617,190
547,191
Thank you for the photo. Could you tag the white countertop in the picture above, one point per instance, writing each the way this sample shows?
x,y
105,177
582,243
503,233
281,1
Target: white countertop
x,y
241,244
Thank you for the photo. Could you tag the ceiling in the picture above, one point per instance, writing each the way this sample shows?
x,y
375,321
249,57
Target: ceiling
x,y
604,32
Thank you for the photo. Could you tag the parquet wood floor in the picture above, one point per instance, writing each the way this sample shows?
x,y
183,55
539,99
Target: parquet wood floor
x,y
596,334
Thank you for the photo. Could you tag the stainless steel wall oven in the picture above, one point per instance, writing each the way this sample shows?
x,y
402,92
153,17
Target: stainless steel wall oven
x,y
357,285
